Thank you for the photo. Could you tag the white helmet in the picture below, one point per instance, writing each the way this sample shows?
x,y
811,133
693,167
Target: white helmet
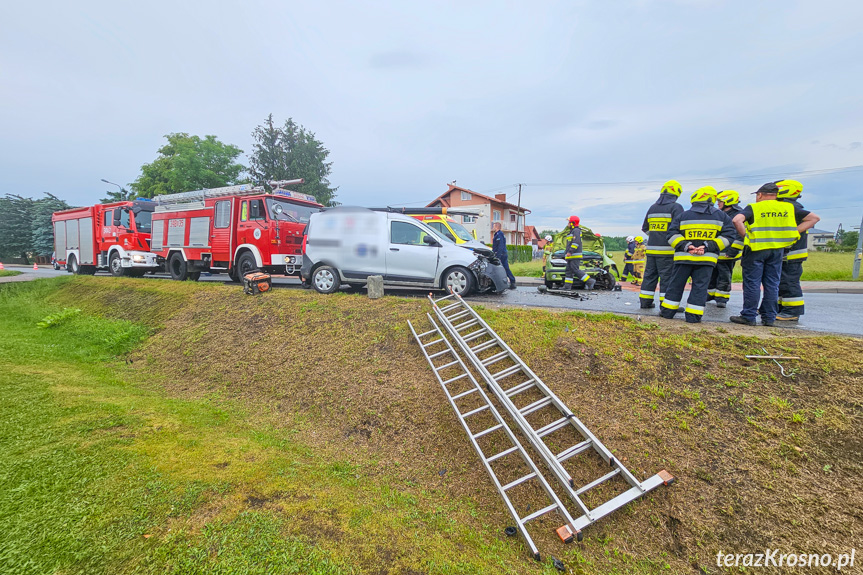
x,y
548,238
629,238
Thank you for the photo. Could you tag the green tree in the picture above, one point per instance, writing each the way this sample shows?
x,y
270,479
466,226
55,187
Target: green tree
x,y
122,195
189,163
849,240
25,225
42,231
290,152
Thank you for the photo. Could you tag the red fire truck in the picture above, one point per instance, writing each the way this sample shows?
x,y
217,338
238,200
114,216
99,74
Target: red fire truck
x,y
113,236
234,229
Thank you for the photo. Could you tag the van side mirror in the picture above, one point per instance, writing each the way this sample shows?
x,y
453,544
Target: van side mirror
x,y
430,241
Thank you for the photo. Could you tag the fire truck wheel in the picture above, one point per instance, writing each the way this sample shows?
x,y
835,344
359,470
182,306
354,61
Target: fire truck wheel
x,y
72,265
194,276
177,268
245,264
325,279
116,266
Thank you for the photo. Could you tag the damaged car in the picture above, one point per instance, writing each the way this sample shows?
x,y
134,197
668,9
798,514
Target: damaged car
x,y
344,246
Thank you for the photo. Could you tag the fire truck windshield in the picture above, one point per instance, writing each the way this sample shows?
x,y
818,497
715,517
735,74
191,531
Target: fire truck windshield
x,y
291,212
143,221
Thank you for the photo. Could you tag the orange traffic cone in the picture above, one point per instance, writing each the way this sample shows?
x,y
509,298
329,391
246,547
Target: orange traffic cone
x,y
35,267
1,267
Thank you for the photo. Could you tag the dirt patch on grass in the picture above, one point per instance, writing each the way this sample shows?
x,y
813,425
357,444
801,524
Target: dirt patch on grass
x,y
760,460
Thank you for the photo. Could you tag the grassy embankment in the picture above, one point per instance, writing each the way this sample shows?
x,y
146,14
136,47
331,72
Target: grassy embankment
x,y
177,427
7,273
821,266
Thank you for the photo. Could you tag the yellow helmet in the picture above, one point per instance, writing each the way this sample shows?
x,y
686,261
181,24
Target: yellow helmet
x,y
639,239
728,197
790,189
672,187
705,194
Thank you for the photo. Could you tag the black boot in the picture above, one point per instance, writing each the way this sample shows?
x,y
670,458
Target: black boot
x,y
647,304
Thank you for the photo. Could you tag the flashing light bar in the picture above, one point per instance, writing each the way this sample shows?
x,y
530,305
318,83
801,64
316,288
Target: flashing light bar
x,y
295,195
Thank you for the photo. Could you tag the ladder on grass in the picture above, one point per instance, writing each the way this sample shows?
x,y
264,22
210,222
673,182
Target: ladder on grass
x,y
474,336
430,341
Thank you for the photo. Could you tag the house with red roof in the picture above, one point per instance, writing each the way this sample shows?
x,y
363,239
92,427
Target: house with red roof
x,y
490,210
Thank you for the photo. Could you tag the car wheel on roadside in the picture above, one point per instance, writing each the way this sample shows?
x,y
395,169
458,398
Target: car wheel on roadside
x,y
116,266
458,280
607,281
177,267
325,279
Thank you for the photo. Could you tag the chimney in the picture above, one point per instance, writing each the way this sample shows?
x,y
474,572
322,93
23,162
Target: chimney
x,y
501,197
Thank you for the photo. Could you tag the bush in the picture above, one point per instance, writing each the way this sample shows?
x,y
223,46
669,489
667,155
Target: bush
x,y
519,254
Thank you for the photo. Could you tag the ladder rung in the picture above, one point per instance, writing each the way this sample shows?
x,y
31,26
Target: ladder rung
x,y
446,307
432,342
425,333
552,427
434,355
458,315
456,378
573,451
536,514
503,453
446,365
518,481
464,393
593,484
506,372
496,357
465,325
475,411
535,406
484,346
474,335
513,391
487,431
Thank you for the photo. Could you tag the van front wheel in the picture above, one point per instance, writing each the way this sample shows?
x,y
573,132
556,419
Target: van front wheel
x,y
325,279
459,280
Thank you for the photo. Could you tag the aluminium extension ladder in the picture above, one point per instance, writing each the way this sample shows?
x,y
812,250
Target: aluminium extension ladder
x,y
433,337
459,320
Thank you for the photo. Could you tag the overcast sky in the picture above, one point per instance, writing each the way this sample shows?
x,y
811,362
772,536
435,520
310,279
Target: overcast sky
x,y
409,96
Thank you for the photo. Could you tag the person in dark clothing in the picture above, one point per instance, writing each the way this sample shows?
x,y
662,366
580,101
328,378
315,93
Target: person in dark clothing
x,y
628,256
719,289
697,236
660,256
573,256
790,292
498,246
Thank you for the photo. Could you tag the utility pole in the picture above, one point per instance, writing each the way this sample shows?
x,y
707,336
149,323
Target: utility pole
x,y
859,253
518,216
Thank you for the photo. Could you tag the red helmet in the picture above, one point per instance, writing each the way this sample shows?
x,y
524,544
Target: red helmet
x,y
574,220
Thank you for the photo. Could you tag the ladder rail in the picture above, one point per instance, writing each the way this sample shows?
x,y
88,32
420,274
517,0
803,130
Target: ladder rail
x,y
517,446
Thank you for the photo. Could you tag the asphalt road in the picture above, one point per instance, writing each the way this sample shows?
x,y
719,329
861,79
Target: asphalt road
x,y
825,312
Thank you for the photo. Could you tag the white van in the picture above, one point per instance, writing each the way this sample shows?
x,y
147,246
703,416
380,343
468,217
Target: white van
x,y
346,245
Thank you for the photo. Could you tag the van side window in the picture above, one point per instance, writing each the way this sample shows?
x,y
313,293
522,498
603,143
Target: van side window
x,y
406,234
223,214
244,211
256,210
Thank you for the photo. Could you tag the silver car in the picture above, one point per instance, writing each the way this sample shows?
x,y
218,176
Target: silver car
x,y
347,245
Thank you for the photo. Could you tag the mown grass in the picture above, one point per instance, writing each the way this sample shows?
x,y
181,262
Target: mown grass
x,y
103,472
821,266
8,273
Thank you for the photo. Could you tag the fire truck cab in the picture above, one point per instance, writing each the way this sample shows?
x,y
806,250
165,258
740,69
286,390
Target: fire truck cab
x,y
235,229
113,236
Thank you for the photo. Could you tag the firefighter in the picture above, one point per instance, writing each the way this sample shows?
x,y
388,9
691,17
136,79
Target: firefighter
x,y
719,289
697,236
627,258
660,256
638,259
768,227
573,255
790,293
547,250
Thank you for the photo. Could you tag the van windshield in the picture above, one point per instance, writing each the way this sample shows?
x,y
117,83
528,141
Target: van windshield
x,y
434,233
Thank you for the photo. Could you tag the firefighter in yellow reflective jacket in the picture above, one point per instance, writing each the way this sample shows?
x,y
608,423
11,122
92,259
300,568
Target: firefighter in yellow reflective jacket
x,y
639,258
719,289
768,227
697,236
573,256
547,250
790,292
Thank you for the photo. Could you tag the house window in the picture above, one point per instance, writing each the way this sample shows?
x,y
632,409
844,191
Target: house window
x,y
468,219
512,218
465,196
496,217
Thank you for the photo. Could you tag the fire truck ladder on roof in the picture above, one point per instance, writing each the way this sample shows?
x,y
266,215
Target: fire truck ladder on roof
x,y
473,336
240,190
428,341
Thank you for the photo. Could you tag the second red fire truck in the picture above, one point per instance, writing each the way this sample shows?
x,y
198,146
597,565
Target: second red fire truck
x,y
235,230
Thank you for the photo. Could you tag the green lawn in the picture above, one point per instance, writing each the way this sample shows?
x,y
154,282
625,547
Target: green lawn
x,y
821,266
7,273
